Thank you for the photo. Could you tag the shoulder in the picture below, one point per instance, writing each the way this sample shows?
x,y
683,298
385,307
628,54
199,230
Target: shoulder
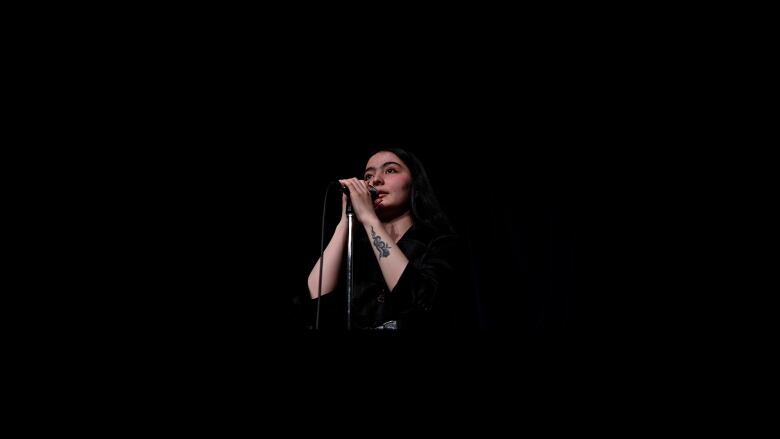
x,y
446,245
430,237
442,239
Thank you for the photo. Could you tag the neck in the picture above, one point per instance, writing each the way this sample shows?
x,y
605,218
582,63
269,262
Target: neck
x,y
397,226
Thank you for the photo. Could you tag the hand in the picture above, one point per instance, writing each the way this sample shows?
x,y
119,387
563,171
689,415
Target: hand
x,y
362,203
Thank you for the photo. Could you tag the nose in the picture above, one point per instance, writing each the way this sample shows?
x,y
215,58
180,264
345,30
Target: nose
x,y
376,180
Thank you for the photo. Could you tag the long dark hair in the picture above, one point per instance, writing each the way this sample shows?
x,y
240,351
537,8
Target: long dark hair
x,y
426,211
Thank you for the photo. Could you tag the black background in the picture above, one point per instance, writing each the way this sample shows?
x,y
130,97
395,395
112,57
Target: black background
x,y
219,236
189,167
210,188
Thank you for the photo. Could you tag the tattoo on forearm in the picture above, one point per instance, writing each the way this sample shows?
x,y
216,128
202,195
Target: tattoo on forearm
x,y
384,249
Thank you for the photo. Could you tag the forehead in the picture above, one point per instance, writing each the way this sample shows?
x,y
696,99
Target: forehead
x,y
381,158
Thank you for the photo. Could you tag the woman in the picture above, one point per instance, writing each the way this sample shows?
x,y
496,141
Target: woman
x,y
406,258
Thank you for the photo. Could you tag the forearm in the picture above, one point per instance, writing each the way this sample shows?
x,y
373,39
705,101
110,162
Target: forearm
x,y
334,253
392,260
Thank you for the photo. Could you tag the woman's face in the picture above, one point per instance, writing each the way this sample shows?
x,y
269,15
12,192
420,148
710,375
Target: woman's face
x,y
393,180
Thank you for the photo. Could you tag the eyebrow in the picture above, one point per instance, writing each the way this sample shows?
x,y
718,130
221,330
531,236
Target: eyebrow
x,y
383,166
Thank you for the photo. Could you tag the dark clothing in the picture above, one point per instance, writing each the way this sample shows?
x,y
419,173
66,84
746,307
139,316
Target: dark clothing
x,y
424,298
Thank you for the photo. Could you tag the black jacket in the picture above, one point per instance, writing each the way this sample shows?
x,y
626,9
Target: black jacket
x,y
425,297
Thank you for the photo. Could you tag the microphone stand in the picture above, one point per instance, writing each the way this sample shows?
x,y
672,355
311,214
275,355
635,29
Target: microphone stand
x,y
350,245
350,278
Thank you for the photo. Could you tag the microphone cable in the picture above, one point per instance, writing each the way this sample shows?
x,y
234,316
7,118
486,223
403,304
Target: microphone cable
x,y
322,258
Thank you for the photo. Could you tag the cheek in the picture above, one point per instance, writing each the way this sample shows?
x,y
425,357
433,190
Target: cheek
x,y
405,183
407,188
401,185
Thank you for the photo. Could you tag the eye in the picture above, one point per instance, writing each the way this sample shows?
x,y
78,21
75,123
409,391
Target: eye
x,y
367,177
390,171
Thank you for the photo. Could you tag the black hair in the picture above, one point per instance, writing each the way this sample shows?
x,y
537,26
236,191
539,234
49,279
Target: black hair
x,y
426,211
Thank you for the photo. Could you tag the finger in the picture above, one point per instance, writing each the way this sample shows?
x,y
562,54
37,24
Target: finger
x,y
361,185
353,185
347,186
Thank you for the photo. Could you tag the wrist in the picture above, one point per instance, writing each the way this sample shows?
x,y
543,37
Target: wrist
x,y
372,223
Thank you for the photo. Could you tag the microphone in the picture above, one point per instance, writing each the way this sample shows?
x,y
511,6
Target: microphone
x,y
371,189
